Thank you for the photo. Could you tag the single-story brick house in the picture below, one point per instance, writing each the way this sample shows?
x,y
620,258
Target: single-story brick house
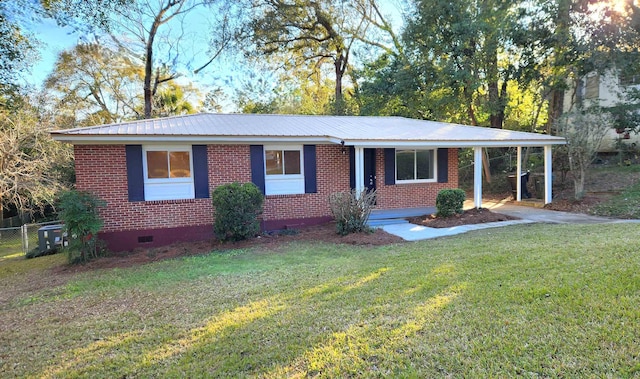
x,y
156,175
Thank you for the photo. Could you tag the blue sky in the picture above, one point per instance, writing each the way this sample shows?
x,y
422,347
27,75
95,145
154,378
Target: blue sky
x,y
53,40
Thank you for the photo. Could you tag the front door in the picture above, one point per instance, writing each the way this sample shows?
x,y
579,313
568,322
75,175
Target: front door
x,y
370,169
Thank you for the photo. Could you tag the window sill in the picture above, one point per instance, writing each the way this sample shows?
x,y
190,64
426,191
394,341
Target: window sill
x,y
400,182
293,195
175,201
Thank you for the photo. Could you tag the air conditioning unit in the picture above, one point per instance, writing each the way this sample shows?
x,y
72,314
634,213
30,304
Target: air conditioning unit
x,y
51,238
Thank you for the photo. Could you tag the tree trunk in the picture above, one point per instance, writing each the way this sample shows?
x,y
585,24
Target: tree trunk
x,y
340,67
470,111
578,183
496,98
148,73
561,36
556,105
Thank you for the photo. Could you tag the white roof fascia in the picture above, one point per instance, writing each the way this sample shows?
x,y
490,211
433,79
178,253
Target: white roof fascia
x,y
119,140
453,144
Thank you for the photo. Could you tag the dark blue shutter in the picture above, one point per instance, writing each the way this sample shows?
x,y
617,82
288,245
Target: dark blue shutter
x,y
135,173
309,156
443,165
389,166
200,171
352,167
257,166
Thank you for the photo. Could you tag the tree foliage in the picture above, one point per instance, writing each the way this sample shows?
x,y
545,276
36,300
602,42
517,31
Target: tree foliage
x,y
16,49
18,45
312,33
32,166
97,84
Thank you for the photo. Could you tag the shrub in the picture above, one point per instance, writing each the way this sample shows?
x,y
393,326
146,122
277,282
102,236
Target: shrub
x,y
79,212
237,207
449,202
351,210
35,253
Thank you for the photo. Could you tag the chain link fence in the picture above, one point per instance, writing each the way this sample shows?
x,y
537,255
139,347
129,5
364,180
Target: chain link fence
x,y
20,239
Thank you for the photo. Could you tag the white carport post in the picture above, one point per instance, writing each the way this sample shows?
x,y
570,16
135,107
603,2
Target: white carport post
x,y
359,170
547,174
519,175
477,177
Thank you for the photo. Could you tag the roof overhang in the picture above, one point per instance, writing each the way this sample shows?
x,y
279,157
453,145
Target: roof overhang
x,y
454,144
227,140
243,140
359,131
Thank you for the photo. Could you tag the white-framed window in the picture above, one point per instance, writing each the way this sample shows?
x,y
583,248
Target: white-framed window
x,y
168,172
415,165
284,169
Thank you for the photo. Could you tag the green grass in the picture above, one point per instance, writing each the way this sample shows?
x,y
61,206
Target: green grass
x,y
624,205
10,245
530,301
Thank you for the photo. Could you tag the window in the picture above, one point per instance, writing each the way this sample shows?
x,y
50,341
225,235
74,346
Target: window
x,y
282,162
168,173
168,164
415,166
283,168
592,87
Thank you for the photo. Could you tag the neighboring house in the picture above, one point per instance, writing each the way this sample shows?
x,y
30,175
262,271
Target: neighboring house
x,y
156,175
605,90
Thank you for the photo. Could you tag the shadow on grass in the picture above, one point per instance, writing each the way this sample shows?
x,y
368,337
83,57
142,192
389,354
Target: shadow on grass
x,y
340,327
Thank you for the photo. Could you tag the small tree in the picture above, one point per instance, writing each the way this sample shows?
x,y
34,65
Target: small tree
x,y
450,202
584,131
79,212
351,210
237,207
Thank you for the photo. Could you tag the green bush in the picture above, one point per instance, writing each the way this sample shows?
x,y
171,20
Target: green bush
x,y
351,210
79,212
449,202
237,207
35,253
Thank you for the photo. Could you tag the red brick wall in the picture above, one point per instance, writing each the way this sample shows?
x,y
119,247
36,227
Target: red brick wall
x,y
332,176
101,169
414,194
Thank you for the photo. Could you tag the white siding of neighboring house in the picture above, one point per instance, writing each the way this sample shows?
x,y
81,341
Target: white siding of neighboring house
x,y
606,91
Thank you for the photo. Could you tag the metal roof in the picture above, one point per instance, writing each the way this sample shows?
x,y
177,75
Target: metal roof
x,y
260,128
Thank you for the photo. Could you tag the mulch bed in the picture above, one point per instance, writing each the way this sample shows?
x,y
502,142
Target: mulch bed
x,y
471,216
325,233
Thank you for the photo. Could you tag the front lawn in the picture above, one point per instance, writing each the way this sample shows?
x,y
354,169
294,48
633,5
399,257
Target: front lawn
x,y
530,301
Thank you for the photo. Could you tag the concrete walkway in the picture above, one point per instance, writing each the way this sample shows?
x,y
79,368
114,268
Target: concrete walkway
x,y
526,214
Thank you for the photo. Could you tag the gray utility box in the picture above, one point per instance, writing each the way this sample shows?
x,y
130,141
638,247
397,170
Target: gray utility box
x,y
50,238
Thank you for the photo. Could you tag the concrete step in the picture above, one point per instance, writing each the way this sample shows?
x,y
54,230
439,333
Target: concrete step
x,y
386,221
385,214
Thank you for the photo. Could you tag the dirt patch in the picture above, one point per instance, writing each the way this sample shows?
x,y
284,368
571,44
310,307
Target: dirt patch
x,y
584,205
325,233
471,216
601,186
